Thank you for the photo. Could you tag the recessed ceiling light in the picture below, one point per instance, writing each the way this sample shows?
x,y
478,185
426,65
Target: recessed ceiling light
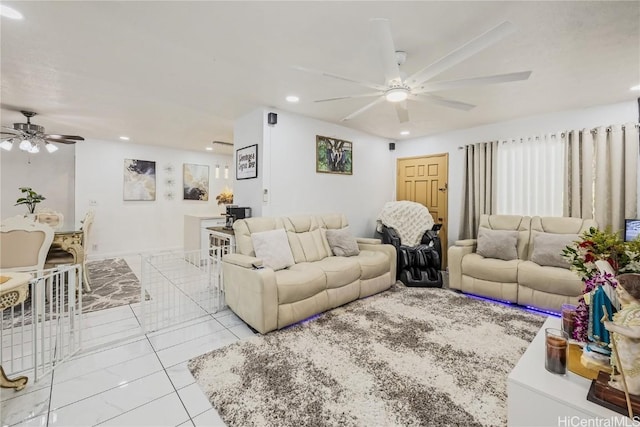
x,y
292,98
124,138
10,13
636,87
209,148
405,132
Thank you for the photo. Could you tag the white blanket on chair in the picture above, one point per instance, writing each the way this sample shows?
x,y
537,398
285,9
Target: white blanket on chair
x,y
409,219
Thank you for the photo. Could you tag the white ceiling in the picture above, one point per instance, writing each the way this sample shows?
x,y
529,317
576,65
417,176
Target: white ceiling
x,y
179,73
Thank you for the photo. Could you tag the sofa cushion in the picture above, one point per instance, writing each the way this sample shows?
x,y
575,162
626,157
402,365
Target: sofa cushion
x,y
500,244
491,269
273,247
340,271
558,281
547,248
308,246
301,281
372,264
342,242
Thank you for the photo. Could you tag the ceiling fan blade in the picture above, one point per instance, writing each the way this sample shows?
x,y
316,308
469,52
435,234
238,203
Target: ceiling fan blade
x,y
10,130
76,137
346,79
437,100
402,111
465,51
474,81
61,140
382,30
363,95
363,109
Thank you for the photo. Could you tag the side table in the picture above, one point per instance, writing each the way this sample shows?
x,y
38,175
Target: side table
x,y
536,397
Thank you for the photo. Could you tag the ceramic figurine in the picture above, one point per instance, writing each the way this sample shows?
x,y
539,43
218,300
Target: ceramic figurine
x,y
625,330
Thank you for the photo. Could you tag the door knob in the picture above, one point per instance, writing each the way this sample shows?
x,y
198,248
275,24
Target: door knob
x,y
443,189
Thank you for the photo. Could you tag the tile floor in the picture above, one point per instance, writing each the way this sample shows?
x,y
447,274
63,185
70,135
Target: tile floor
x,y
126,379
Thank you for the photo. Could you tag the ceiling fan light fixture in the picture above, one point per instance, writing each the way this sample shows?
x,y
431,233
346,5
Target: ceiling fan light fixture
x,y
6,145
25,145
35,148
51,148
397,94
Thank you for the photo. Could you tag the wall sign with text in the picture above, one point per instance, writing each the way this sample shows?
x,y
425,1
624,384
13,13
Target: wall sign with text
x,y
247,162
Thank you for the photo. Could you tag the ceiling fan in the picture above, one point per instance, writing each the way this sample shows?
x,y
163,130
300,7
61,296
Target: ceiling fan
x,y
30,136
398,88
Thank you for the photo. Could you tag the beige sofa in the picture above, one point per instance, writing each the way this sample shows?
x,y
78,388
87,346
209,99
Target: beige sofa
x,y
537,276
269,299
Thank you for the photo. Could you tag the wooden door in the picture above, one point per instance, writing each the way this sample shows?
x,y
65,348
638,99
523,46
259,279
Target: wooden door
x,y
424,180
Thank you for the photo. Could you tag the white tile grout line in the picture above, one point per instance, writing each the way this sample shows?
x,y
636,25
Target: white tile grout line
x,y
175,390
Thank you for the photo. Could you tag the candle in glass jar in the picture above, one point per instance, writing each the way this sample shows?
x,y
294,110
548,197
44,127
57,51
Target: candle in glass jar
x,y
556,351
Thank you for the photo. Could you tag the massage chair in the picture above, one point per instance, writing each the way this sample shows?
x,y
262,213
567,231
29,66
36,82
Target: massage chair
x,y
418,265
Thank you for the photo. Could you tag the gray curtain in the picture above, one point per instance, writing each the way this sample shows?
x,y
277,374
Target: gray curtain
x,y
578,182
480,186
602,180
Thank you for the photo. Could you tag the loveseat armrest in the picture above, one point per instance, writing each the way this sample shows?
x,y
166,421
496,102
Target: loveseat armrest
x,y
251,292
378,246
368,241
456,253
245,261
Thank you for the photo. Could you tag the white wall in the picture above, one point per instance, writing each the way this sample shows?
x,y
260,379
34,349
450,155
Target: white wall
x,y
49,174
529,126
249,130
288,172
125,227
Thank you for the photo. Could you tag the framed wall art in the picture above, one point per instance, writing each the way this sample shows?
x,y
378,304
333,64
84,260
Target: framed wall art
x,y
195,182
247,162
334,155
139,180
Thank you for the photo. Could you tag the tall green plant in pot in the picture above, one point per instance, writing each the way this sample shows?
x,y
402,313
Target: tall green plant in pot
x,y
30,199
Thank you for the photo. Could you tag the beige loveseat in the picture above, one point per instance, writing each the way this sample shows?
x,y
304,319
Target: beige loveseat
x,y
269,299
527,269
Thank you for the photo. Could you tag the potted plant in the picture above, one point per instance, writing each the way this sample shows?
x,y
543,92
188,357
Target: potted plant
x,y
30,199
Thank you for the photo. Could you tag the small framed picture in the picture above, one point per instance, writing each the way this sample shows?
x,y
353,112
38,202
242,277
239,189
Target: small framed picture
x,y
247,162
334,156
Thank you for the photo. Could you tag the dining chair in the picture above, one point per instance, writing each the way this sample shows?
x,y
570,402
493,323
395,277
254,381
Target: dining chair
x,y
24,244
58,256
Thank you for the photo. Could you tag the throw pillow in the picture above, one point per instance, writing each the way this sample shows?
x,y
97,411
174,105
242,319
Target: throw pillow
x,y
273,247
547,249
501,244
342,243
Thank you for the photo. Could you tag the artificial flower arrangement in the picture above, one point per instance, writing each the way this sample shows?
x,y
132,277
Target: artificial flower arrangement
x,y
226,197
594,245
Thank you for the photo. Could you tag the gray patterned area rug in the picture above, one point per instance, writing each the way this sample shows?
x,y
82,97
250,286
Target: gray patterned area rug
x,y
407,356
112,284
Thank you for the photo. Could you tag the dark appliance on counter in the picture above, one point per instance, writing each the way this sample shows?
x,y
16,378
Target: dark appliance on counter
x,y
234,213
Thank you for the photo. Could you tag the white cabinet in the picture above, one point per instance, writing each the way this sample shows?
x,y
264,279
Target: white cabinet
x,y
196,235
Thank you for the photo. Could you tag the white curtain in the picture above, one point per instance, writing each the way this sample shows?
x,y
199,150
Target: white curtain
x,y
480,186
530,176
606,186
